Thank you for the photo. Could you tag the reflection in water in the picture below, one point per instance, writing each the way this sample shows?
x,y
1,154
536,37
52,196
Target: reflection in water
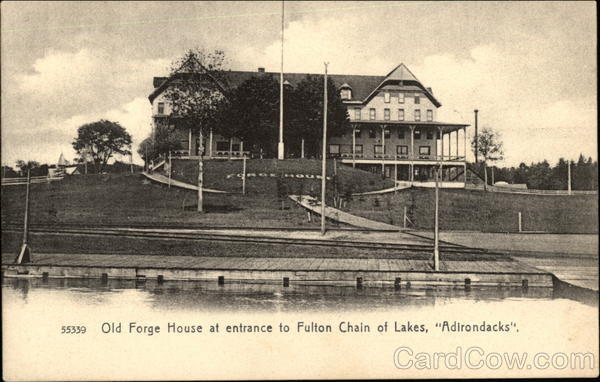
x,y
208,296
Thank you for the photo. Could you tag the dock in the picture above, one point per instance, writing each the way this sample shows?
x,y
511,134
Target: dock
x,y
356,272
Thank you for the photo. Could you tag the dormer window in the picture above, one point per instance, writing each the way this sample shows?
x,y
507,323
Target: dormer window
x,y
345,92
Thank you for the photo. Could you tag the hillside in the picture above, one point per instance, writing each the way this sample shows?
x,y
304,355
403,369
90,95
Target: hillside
x,y
130,198
480,211
274,177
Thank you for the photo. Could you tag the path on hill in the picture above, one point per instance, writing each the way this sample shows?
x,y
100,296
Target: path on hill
x,y
176,183
314,205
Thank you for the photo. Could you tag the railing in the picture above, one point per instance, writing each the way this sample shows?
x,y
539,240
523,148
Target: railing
x,y
34,179
384,157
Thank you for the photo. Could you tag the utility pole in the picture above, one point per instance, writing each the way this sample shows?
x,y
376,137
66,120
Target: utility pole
x,y
25,253
280,147
476,137
324,167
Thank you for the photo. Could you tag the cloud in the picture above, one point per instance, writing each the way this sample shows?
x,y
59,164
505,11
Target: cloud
x,y
535,122
57,133
90,80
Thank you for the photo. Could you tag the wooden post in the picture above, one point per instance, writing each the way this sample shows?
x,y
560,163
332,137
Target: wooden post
x,y
485,176
324,164
353,146
244,176
25,253
569,177
520,222
200,174
170,169
395,172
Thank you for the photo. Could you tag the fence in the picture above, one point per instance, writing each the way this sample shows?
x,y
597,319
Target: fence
x,y
508,190
34,179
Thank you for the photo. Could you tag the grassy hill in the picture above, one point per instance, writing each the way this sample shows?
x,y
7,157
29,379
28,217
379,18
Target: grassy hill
x,y
480,211
226,176
130,198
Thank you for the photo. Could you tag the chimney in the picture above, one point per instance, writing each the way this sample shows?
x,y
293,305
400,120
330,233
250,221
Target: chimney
x,y
261,70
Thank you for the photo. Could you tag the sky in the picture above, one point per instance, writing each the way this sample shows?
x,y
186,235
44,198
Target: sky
x,y
528,67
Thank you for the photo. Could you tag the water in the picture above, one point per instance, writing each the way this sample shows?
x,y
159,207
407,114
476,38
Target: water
x,y
34,310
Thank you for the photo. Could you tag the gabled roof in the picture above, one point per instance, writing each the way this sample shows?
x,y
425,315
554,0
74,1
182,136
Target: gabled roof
x,y
363,87
401,76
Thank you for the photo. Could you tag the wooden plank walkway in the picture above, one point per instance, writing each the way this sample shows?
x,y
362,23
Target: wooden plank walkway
x,y
314,205
175,183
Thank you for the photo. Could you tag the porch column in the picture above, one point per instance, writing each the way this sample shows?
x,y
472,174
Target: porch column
x,y
190,141
302,149
465,153
383,149
412,153
457,144
241,148
230,147
210,144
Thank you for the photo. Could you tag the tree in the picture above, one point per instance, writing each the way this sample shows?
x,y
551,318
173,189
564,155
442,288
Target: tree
x,y
23,166
251,113
306,121
160,143
489,147
196,94
100,141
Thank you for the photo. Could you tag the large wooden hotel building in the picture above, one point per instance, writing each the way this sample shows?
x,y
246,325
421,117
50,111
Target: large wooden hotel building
x,y
393,130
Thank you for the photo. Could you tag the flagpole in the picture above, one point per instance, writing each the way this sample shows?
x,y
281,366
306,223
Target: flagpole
x,y
280,147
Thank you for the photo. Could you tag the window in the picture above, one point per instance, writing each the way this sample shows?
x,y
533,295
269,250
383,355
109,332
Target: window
x,y
372,114
386,133
161,108
429,115
386,97
400,133
402,150
417,134
222,146
379,149
400,114
424,150
235,147
372,133
357,133
358,149
400,97
417,99
334,149
346,93
417,115
386,114
429,134
357,113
